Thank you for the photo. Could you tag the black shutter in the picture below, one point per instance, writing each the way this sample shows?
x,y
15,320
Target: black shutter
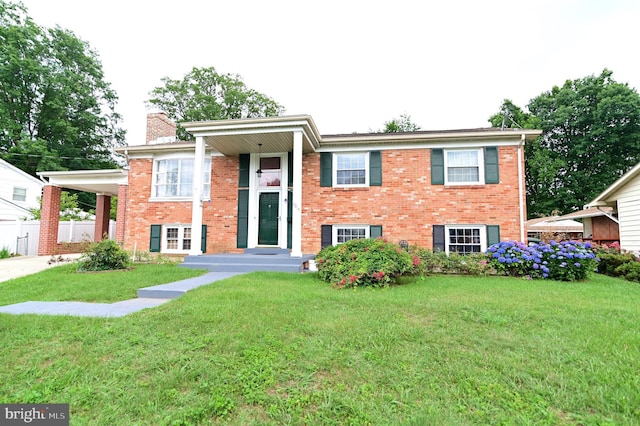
x,y
243,172
203,239
437,166
326,169
155,238
289,219
375,231
326,235
438,238
493,234
243,218
491,167
290,168
375,168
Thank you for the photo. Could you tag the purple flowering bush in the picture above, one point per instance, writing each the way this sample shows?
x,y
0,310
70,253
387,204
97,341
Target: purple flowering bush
x,y
564,261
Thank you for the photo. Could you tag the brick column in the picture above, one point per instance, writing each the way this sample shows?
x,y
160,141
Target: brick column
x,y
49,219
121,214
103,209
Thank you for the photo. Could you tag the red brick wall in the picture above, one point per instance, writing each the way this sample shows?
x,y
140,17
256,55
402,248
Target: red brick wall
x,y
159,126
49,218
220,215
407,205
121,214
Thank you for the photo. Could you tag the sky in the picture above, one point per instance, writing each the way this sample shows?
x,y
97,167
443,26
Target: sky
x,y
354,65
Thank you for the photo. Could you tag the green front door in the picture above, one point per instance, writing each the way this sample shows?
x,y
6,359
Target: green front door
x,y
268,218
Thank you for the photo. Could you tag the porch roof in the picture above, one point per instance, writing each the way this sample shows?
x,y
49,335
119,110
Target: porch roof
x,y
234,137
96,181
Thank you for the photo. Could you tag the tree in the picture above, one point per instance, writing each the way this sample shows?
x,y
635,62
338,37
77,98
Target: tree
x,y
591,136
203,94
56,109
402,124
69,208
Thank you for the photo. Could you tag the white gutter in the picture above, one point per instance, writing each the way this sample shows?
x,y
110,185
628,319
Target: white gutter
x,y
609,215
520,189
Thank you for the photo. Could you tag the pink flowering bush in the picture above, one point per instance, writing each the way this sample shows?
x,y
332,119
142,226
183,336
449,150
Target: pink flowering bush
x,y
365,262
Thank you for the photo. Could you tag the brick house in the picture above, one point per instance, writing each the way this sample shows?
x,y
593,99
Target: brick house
x,y
277,182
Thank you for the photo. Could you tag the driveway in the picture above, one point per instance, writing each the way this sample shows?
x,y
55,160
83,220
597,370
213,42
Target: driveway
x,y
19,266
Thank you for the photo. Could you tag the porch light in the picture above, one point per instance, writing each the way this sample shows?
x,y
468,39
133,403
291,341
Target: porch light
x,y
259,171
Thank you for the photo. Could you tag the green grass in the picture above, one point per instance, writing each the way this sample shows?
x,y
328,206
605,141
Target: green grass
x,y
269,348
63,283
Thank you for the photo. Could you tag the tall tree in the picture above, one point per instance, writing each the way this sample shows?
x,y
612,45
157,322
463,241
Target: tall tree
x,y
204,94
591,136
56,109
401,124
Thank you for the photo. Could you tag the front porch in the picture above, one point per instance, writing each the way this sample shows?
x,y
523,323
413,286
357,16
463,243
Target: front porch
x,y
255,259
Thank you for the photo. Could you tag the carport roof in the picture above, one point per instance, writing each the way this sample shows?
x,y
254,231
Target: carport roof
x,y
96,181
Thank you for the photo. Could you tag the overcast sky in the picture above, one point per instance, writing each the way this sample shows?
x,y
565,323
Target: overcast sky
x,y
352,65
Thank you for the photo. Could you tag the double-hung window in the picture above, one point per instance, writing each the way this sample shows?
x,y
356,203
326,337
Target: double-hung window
x,y
465,239
174,178
342,234
177,238
19,194
464,166
352,169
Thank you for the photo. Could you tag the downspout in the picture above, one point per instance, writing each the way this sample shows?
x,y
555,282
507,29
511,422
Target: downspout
x,y
520,187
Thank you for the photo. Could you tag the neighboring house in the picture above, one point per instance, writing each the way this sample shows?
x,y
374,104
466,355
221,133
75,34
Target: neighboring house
x,y
18,193
556,226
277,182
623,196
600,224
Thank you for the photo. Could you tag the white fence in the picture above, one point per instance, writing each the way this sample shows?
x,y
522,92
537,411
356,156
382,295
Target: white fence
x,y
22,237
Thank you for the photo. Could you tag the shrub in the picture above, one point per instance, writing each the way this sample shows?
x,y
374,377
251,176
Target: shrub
x,y
5,253
439,262
104,255
611,261
630,271
565,261
364,262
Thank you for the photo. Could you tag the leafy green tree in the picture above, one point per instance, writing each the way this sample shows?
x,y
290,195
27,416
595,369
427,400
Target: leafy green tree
x,y
69,208
53,96
591,136
401,124
204,94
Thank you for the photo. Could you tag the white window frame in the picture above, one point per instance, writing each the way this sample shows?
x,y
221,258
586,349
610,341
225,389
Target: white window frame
x,y
21,197
206,193
482,231
180,238
335,170
335,230
480,154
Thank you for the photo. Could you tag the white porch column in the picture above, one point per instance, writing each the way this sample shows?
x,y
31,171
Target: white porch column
x,y
196,207
296,219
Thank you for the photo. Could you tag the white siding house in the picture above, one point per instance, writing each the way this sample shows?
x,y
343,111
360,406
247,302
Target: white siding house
x,y
18,192
624,196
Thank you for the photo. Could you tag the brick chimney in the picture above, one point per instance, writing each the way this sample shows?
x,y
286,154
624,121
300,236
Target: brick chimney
x,y
160,129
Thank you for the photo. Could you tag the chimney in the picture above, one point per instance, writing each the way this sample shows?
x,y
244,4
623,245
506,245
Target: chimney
x,y
160,129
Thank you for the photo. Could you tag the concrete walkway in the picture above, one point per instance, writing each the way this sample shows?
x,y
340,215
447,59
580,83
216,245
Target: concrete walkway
x,y
148,297
20,266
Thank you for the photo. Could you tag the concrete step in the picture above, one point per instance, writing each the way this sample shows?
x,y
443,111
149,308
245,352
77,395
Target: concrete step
x,y
244,267
178,288
269,260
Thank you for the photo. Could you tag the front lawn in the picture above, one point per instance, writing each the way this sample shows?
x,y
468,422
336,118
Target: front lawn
x,y
276,348
63,283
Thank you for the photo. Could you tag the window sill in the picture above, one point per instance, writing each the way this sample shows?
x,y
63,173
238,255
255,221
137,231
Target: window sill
x,y
170,199
351,188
